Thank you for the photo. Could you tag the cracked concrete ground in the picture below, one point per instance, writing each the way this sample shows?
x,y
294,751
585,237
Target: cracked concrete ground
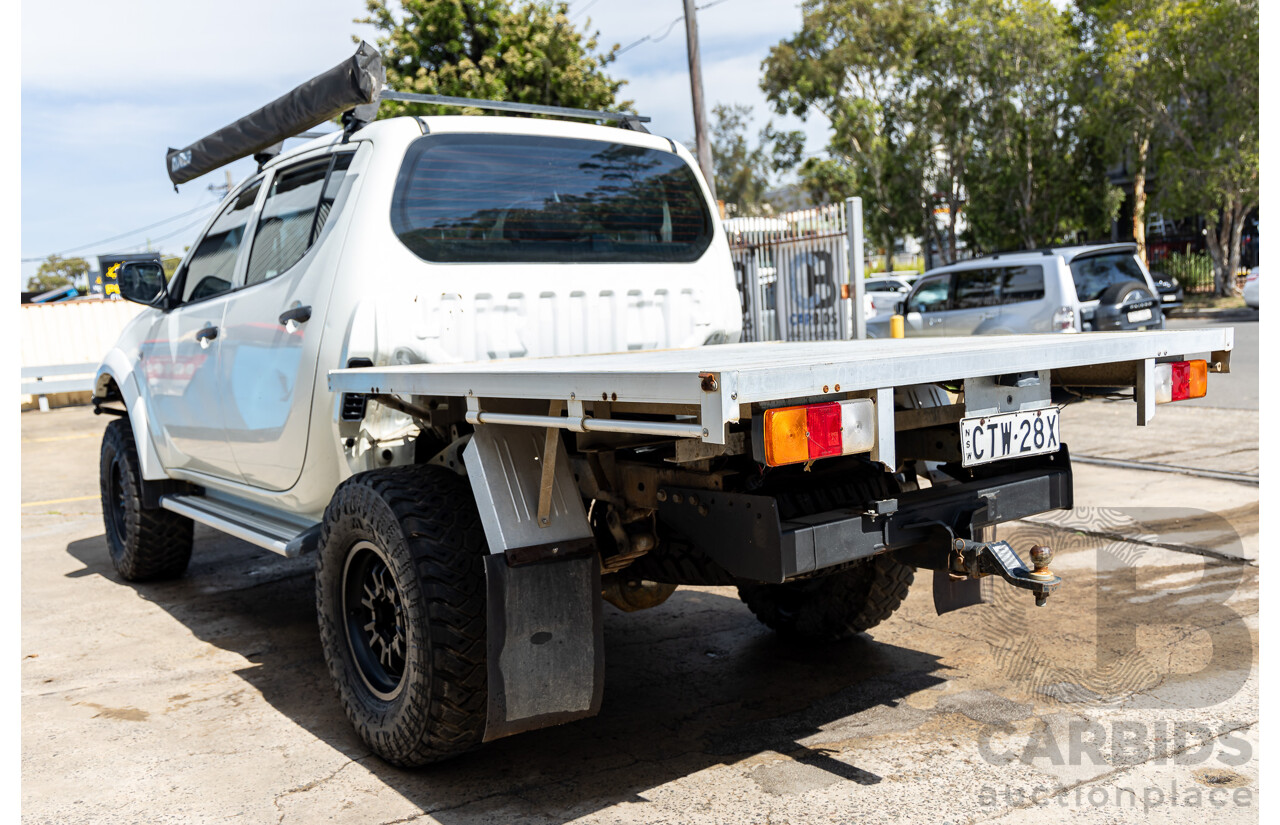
x,y
1131,696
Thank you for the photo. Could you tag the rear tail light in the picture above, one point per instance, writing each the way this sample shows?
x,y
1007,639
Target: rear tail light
x,y
1180,380
1064,319
795,434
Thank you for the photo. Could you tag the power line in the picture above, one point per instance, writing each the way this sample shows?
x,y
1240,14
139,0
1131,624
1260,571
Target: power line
x,y
170,219
582,10
180,230
649,38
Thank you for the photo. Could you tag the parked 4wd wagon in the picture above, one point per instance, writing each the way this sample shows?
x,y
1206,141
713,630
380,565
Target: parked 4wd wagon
x,y
1068,289
465,364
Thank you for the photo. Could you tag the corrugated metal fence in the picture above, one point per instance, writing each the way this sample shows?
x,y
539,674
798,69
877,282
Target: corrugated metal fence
x,y
793,274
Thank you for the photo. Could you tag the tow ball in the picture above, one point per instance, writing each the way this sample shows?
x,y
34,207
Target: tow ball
x,y
979,558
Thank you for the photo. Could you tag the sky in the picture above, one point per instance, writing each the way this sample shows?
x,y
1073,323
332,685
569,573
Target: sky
x,y
108,87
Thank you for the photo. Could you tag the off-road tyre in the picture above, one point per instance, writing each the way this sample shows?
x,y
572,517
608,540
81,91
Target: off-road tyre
x,y
417,531
144,544
832,607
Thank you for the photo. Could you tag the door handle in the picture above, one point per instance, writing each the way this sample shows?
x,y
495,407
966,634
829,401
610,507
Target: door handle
x,y
933,322
206,335
299,315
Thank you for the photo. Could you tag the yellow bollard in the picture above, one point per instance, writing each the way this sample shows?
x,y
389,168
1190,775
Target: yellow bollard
x,y
897,327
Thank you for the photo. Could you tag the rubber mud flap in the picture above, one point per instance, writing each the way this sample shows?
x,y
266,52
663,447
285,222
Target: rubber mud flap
x,y
545,644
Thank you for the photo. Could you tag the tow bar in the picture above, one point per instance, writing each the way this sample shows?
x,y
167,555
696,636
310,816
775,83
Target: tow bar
x,y
976,559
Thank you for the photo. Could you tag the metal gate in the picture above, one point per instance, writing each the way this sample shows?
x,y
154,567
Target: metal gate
x,y
793,275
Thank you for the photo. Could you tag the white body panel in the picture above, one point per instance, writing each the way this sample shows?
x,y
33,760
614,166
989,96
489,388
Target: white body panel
x,y
279,443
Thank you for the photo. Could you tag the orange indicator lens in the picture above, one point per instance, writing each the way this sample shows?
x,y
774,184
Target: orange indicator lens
x,y
1197,379
785,436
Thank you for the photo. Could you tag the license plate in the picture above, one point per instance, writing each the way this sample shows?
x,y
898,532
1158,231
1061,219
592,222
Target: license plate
x,y
1140,315
1010,435
1168,298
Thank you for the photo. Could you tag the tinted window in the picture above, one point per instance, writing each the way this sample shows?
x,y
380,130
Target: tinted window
x,y
508,199
1022,283
213,264
931,296
337,174
977,288
1097,272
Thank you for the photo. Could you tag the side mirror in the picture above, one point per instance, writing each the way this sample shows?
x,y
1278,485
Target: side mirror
x,y
139,281
899,308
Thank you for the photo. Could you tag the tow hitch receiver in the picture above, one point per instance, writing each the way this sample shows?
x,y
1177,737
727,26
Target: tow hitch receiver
x,y
978,558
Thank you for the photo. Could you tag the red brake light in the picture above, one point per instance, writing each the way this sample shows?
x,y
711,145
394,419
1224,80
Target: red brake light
x,y
824,430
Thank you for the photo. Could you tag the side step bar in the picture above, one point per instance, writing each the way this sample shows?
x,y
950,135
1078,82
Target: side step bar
x,y
289,540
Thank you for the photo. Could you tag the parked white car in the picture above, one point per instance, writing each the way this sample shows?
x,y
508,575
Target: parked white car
x,y
886,291
1251,289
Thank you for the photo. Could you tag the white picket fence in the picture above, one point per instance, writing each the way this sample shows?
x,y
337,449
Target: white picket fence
x,y
63,343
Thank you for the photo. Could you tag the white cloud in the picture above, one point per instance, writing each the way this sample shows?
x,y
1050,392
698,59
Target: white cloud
x,y
107,86
157,46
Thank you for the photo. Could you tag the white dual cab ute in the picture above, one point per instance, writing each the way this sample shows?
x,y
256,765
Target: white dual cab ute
x,y
486,371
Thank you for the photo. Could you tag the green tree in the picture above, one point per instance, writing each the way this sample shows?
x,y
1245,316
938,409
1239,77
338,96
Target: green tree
x,y
56,271
852,62
1209,158
1126,93
492,49
744,172
1033,179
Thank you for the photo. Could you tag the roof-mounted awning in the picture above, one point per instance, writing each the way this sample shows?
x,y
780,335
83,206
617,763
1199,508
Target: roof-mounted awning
x,y
355,82
353,89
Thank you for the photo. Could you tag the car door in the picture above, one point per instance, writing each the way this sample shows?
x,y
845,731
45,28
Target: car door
x,y
1023,306
273,327
975,301
180,358
926,308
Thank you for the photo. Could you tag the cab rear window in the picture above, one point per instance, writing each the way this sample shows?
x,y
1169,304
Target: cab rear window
x,y
1093,274
472,198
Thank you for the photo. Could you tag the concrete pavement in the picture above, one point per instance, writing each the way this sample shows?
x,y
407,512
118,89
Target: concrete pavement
x,y
207,699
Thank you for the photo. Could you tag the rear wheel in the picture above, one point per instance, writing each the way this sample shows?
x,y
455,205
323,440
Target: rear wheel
x,y
845,602
400,595
145,545
836,606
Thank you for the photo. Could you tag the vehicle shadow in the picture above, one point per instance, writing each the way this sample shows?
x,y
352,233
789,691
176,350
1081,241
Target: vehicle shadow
x,y
691,684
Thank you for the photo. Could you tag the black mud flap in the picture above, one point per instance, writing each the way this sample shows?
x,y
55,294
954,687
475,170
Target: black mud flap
x,y
545,644
950,593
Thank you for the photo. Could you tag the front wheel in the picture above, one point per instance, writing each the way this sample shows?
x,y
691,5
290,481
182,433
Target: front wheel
x,y
144,545
400,596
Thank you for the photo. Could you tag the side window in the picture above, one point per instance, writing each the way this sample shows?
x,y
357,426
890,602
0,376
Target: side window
x,y
1022,283
976,288
213,264
932,295
285,228
337,173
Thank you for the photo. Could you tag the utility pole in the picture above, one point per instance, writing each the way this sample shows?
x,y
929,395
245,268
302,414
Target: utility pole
x,y
699,108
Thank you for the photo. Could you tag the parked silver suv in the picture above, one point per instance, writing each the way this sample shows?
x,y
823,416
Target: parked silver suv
x,y
1067,289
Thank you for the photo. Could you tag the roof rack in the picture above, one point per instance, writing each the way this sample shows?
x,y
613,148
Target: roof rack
x,y
625,119
352,90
